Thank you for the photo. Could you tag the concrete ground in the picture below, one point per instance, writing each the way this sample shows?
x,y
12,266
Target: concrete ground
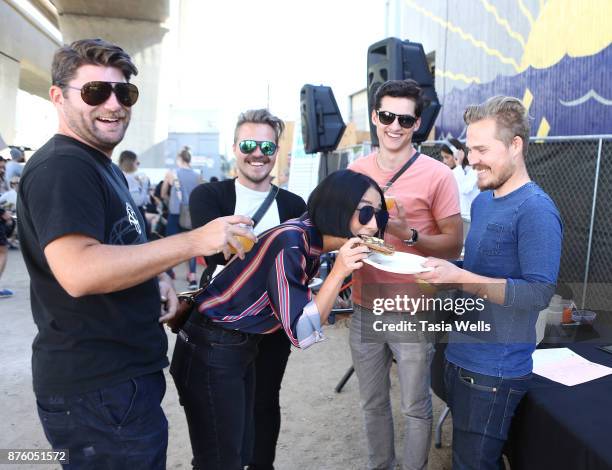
x,y
320,429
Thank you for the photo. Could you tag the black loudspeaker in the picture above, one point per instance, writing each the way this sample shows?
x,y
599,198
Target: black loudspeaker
x,y
322,124
394,59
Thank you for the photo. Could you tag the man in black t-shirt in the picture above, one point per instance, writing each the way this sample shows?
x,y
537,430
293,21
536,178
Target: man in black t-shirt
x,y
98,357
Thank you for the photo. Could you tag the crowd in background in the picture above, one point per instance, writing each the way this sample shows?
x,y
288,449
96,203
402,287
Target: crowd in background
x,y
10,173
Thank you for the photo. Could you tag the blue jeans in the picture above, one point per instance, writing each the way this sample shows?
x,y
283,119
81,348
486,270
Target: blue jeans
x,y
214,372
172,228
116,427
482,407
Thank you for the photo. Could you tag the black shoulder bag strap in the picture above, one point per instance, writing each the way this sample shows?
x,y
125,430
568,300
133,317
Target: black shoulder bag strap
x,y
265,205
261,211
399,173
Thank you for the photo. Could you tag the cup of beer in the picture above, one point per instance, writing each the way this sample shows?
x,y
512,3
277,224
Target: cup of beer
x,y
247,243
389,201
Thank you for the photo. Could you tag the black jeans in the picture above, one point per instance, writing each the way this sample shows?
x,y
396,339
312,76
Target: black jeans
x,y
214,372
116,427
274,350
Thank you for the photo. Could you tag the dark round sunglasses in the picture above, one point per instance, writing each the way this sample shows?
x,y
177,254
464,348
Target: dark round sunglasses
x,y
96,93
405,120
367,212
248,146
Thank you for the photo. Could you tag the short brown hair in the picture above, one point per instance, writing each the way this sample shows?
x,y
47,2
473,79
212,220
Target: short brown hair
x,y
260,116
127,161
510,115
68,59
401,89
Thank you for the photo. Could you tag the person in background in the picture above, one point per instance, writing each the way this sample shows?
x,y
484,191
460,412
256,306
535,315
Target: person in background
x,y
213,365
512,257
454,156
152,208
5,228
4,187
256,136
15,166
5,224
158,230
176,190
8,200
138,183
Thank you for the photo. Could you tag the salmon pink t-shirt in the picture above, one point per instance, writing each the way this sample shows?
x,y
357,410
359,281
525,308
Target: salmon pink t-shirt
x,y
428,192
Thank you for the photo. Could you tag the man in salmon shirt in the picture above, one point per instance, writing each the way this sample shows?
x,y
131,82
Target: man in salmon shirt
x,y
425,221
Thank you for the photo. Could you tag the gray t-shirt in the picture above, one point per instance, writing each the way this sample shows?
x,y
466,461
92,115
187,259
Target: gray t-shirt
x,y
188,180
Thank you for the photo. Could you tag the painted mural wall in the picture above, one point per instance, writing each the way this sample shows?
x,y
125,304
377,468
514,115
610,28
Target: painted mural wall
x,y
556,55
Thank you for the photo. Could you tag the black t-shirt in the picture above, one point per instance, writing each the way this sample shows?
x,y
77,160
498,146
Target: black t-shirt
x,y
93,341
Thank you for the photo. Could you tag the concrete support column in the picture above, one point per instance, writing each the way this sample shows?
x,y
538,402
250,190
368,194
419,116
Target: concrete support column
x,y
26,50
9,83
148,129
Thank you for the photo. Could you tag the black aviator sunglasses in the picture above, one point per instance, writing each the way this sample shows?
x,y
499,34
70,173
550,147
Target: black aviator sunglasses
x,y
96,93
405,120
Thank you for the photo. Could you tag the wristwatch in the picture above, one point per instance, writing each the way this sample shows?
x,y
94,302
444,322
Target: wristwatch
x,y
413,239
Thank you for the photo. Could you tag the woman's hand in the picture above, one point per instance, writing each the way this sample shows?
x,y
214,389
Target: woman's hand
x,y
218,235
350,256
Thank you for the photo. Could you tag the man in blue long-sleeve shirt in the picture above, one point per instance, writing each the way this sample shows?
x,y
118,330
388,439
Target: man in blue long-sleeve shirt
x,y
512,256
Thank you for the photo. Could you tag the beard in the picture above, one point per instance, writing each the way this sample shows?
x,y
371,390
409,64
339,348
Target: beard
x,y
253,177
85,126
498,182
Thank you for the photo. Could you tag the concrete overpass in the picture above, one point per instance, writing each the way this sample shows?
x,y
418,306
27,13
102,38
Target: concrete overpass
x,y
27,47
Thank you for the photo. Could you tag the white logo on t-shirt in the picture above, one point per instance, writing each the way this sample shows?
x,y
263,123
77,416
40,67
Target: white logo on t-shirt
x,y
132,218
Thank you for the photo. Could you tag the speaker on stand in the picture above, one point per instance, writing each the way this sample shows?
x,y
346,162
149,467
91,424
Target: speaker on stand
x,y
322,124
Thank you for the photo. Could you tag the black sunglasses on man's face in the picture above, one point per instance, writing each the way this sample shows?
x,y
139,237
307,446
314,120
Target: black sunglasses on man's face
x,y
96,93
405,120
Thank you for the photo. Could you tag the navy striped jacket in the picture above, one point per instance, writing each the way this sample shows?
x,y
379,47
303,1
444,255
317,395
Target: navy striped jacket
x,y
269,288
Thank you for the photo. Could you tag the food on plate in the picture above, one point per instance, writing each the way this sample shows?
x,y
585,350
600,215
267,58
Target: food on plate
x,y
377,244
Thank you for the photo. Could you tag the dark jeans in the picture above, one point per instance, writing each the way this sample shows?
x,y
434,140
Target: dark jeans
x,y
172,228
116,427
274,350
482,407
214,372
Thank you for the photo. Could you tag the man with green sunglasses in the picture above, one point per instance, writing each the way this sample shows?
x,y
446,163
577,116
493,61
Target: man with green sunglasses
x,y
256,138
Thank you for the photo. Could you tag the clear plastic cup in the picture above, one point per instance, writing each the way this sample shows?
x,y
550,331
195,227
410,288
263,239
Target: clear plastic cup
x,y
390,202
247,243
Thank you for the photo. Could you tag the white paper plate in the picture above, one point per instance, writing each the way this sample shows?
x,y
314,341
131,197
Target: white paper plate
x,y
315,283
399,263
